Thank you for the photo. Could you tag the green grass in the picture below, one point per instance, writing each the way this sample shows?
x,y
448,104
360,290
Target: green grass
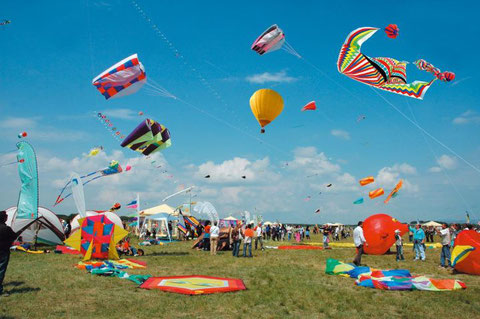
x,y
280,284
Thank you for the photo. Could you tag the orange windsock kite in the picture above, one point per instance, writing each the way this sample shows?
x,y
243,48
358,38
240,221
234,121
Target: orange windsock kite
x,y
366,180
376,193
394,191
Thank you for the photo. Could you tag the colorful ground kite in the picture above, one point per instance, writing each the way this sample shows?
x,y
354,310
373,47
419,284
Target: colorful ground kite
x,y
266,105
124,78
97,237
194,285
392,31
116,264
272,39
27,207
299,247
113,168
466,252
376,193
382,73
366,180
148,137
395,279
394,191
379,231
311,106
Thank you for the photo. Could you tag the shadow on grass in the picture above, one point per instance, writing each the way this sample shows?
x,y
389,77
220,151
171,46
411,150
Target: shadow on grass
x,y
19,290
14,283
164,253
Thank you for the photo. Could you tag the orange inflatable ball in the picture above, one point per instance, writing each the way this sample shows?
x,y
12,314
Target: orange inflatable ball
x,y
466,252
379,231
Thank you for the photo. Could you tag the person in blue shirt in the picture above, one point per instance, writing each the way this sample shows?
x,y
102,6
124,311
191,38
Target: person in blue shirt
x,y
418,242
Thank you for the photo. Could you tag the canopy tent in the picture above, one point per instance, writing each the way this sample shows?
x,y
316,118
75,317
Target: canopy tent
x,y
47,229
432,224
164,208
267,223
228,221
162,219
333,224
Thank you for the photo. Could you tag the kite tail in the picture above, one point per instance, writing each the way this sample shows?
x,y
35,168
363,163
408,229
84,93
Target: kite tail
x,y
442,76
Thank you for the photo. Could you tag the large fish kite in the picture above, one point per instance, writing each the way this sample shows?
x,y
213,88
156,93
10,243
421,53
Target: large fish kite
x,y
383,73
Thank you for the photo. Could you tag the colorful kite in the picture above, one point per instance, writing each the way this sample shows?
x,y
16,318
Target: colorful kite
x,y
97,237
194,285
392,31
109,126
379,231
148,137
270,40
394,191
5,22
466,252
27,207
266,105
22,134
95,151
113,168
361,118
311,106
358,201
78,194
366,180
376,193
124,78
382,73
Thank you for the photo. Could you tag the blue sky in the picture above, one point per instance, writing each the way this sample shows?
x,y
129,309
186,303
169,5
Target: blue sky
x,y
52,50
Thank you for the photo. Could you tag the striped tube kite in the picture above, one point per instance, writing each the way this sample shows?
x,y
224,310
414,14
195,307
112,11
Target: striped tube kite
x,y
376,193
148,137
272,39
97,237
124,78
366,180
382,73
394,191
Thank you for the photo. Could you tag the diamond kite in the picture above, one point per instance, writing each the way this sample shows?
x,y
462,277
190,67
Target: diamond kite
x,y
194,285
124,78
148,137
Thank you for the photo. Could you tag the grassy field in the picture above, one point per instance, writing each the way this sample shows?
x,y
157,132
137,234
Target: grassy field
x,y
280,284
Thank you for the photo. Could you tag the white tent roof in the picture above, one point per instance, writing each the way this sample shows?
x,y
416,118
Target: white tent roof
x,y
164,208
230,218
432,223
48,229
268,223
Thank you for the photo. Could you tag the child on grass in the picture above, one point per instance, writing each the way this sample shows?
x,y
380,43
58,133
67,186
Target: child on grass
x,y
399,245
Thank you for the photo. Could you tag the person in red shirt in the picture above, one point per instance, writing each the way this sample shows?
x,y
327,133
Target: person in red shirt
x,y
206,237
247,242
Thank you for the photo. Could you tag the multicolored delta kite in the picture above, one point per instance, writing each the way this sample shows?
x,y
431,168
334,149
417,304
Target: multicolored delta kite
x,y
124,78
113,168
383,73
97,237
194,285
148,137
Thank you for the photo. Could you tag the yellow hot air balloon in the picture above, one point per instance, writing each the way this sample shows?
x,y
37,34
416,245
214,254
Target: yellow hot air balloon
x,y
266,105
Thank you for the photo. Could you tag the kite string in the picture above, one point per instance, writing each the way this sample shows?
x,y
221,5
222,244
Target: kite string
x,y
436,158
426,132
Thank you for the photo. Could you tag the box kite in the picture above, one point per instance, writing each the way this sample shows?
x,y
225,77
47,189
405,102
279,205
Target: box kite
x,y
148,137
194,285
97,237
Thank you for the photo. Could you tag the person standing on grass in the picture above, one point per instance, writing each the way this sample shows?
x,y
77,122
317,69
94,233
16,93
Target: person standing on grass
x,y
446,240
236,238
214,233
359,241
247,242
325,238
206,237
418,242
307,232
399,245
259,238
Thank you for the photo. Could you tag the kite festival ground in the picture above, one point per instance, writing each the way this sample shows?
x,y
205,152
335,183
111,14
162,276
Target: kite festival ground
x,y
280,284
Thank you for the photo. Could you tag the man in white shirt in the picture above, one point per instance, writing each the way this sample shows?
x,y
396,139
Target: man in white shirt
x,y
258,236
446,240
359,241
214,233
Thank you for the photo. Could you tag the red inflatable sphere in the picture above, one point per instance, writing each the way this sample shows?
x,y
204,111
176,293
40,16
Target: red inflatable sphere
x,y
379,231
466,240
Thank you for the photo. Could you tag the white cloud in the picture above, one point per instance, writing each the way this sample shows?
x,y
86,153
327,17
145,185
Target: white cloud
x,y
340,134
19,123
267,77
444,162
467,117
311,162
388,177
